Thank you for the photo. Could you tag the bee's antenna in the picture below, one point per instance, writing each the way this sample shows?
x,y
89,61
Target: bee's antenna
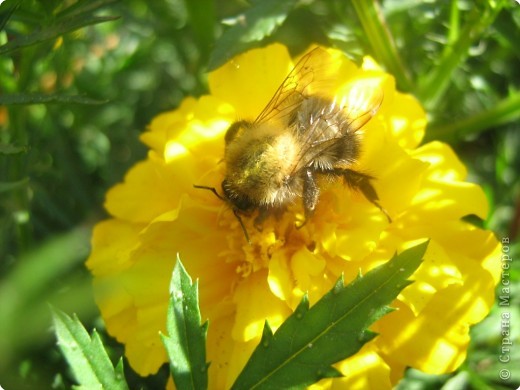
x,y
212,189
235,211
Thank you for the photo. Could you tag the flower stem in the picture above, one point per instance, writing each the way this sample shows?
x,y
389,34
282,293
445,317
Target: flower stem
x,y
435,83
381,40
505,111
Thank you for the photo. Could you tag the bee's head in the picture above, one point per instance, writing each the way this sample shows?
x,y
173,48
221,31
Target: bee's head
x,y
239,206
238,201
235,130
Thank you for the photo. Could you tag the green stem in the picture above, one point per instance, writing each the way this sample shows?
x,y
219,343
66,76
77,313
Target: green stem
x,y
433,86
381,40
454,32
505,111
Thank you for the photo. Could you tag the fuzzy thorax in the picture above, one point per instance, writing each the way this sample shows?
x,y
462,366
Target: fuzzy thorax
x,y
259,167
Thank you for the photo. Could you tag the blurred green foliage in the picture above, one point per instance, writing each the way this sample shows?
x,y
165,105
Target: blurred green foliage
x,y
80,80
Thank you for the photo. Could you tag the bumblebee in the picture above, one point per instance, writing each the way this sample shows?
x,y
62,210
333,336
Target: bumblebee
x,y
299,136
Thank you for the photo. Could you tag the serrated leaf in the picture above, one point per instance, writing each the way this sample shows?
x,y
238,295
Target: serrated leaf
x,y
305,346
51,32
86,355
186,340
256,23
40,98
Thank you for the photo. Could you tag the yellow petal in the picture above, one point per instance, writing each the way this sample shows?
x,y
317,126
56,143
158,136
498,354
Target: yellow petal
x,y
444,165
203,261
167,125
480,246
436,340
442,201
364,370
250,80
147,192
208,123
405,119
349,225
280,278
220,349
397,176
144,349
255,304
110,246
436,272
307,270
404,116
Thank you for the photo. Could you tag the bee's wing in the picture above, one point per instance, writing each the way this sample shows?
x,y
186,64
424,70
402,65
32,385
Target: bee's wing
x,y
359,104
360,101
313,67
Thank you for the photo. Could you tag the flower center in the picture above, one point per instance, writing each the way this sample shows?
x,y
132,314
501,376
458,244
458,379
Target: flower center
x,y
276,233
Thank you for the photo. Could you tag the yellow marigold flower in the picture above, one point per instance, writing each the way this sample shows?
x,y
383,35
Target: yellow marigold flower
x,y
157,213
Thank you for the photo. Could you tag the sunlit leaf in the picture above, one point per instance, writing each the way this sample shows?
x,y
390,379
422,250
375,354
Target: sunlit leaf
x,y
186,340
305,346
250,28
86,355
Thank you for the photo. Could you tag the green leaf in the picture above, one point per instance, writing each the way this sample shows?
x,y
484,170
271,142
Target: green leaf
x,y
305,346
40,98
505,111
202,16
508,30
84,7
13,185
5,16
87,356
61,27
12,149
186,340
42,275
251,27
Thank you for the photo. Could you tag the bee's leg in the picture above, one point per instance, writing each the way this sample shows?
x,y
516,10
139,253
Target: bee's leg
x,y
311,194
239,218
263,213
361,182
